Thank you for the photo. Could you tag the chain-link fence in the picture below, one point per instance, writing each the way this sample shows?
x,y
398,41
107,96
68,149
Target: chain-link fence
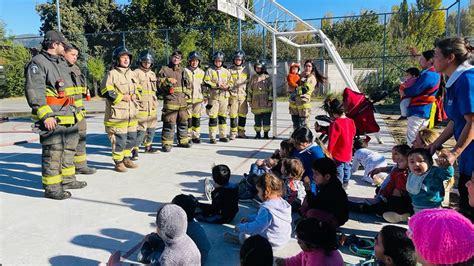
x,y
373,46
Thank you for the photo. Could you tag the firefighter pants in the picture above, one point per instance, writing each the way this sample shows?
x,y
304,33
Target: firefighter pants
x,y
218,114
147,122
262,120
58,150
194,120
170,119
123,140
80,160
300,111
238,109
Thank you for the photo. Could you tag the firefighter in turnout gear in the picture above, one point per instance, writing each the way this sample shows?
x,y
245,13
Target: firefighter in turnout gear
x,y
195,77
238,106
219,81
120,87
50,93
80,159
174,89
300,108
148,103
260,98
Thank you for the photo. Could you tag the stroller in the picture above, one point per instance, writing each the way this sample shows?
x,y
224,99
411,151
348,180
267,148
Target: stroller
x,y
359,108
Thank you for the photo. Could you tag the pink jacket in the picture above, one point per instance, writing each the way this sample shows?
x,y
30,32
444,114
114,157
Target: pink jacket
x,y
315,258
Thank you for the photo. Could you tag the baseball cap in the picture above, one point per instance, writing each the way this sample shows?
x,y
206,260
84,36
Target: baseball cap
x,y
55,36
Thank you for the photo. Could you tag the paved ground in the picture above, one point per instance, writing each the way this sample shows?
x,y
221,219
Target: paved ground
x,y
116,210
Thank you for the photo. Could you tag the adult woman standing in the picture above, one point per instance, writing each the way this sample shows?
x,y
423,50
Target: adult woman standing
x,y
300,108
451,58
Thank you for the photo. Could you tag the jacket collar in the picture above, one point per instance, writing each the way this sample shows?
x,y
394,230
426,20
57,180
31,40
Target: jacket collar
x,y
457,73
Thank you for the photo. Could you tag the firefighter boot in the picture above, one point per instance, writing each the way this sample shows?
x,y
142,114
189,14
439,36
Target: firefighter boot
x,y
150,149
129,163
241,134
120,167
75,185
86,170
258,136
265,135
56,192
134,154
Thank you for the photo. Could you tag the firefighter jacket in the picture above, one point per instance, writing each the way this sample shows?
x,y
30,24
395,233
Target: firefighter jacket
x,y
260,93
215,76
80,84
195,79
148,89
118,82
240,77
49,89
307,85
175,96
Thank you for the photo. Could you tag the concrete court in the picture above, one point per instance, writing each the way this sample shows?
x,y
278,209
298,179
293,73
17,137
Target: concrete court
x,y
116,210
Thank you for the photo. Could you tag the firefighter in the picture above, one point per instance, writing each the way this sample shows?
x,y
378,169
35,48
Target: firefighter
x,y
120,88
219,81
50,93
71,53
238,106
195,77
173,88
148,103
260,98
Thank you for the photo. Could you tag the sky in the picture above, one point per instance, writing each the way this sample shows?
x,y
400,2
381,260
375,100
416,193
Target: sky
x,y
20,16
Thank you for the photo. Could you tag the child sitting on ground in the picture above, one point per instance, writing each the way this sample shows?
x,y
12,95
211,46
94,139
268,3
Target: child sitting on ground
x,y
247,189
318,241
442,237
293,78
393,201
292,171
153,246
273,220
261,167
329,203
179,248
411,74
256,250
285,151
393,247
425,181
224,198
367,158
341,134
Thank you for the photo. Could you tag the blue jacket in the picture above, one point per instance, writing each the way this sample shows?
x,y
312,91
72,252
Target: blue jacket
x,y
427,82
307,156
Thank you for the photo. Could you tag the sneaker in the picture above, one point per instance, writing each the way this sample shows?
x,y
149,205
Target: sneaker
x,y
213,141
393,217
75,185
208,188
231,238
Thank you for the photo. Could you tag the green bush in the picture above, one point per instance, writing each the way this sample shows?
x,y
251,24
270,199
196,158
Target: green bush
x,y
13,57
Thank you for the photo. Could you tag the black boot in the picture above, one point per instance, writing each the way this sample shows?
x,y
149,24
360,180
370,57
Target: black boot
x,y
265,135
86,170
258,136
150,149
75,185
166,148
56,192
134,154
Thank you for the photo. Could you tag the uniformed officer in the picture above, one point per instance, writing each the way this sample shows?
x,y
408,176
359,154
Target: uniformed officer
x,y
195,77
173,87
148,109
219,80
260,98
120,88
50,93
71,53
238,106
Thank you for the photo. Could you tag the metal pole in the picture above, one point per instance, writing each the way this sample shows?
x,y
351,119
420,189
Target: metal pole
x,y
167,47
274,83
384,48
58,16
212,36
447,24
123,39
298,56
239,43
264,52
458,26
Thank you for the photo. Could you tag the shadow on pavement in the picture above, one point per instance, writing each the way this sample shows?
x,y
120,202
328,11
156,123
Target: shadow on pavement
x,y
71,260
246,154
143,205
17,178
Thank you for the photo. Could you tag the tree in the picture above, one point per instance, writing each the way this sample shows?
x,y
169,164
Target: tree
x,y
467,22
96,71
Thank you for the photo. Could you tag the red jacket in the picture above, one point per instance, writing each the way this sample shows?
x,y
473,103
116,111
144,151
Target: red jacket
x,y
398,180
341,138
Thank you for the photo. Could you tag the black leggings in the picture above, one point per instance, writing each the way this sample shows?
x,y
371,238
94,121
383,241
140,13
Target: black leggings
x,y
394,204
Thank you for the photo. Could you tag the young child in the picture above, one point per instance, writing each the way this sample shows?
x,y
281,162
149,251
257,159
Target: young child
x,y
285,151
153,246
340,139
425,181
293,78
367,158
256,250
179,248
318,241
442,237
394,248
261,167
225,199
292,171
392,201
329,203
273,220
411,74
